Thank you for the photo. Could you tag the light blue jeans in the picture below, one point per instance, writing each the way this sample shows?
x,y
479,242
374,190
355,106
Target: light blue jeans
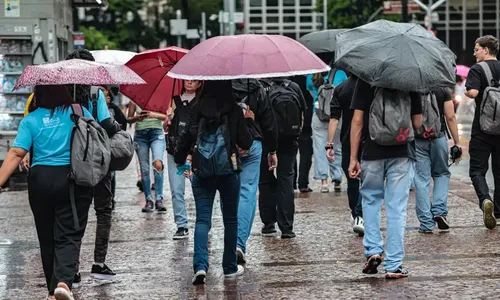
x,y
387,179
177,189
249,179
321,163
432,162
154,140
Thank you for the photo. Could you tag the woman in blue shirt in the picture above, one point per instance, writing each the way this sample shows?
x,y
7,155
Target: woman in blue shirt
x,y
46,133
322,168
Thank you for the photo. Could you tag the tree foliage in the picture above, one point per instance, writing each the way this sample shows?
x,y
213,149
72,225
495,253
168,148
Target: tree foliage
x,y
353,13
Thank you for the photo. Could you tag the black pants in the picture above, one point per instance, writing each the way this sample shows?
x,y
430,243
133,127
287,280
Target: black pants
x,y
276,195
48,189
103,196
353,195
481,146
306,154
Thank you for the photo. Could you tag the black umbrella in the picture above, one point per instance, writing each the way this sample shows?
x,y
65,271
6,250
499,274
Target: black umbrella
x,y
321,41
396,55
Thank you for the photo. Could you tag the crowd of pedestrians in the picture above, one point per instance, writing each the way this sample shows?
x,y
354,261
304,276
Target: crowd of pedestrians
x,y
241,138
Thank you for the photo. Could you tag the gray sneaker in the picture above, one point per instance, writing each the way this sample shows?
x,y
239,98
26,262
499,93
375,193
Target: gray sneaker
x,y
160,207
149,207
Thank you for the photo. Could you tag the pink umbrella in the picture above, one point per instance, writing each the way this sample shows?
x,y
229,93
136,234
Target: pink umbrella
x,y
462,70
77,71
153,66
247,56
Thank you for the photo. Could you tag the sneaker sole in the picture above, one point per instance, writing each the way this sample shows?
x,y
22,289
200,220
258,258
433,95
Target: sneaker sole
x,y
183,237
395,276
372,265
161,211
103,276
147,210
489,218
234,276
442,224
62,294
358,229
270,234
75,285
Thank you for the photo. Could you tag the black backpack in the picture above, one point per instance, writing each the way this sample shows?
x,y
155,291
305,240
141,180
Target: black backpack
x,y
286,106
179,123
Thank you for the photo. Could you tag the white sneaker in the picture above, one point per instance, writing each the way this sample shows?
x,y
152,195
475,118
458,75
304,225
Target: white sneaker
x,y
200,277
238,273
325,189
358,226
62,292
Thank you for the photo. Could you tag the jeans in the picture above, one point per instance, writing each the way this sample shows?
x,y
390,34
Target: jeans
x,y
145,140
395,174
249,178
432,162
355,203
481,146
306,154
204,193
177,189
60,242
321,164
276,197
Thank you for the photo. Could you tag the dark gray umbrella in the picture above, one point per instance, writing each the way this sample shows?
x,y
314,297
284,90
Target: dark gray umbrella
x,y
396,55
321,41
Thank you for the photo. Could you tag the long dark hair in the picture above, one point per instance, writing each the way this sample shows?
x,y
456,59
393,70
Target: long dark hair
x,y
215,92
51,97
82,94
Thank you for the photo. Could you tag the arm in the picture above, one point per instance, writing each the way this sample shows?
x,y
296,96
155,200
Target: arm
x,y
356,130
472,93
335,114
11,163
332,130
155,115
416,110
132,117
243,136
120,117
449,113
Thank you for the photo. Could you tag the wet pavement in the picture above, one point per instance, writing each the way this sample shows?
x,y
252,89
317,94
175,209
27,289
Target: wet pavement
x,y
324,261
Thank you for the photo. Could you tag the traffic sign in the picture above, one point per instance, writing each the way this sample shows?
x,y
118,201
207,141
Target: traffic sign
x,y
396,7
239,17
178,27
192,34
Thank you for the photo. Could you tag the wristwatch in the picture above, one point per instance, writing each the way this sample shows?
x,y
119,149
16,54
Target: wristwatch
x,y
329,146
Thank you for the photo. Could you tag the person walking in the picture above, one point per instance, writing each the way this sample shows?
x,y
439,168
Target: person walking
x,y
483,143
46,132
386,169
432,161
216,128
250,93
149,136
177,120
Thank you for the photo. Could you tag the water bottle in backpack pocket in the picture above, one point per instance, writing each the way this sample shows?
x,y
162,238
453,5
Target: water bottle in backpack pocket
x,y
431,118
286,106
390,118
489,117
210,154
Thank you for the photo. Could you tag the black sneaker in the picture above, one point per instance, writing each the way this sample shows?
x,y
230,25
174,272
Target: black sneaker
x,y
139,185
306,190
372,264
269,230
160,207
149,207
181,234
103,273
76,281
240,256
398,274
113,204
153,186
288,235
337,187
199,277
442,222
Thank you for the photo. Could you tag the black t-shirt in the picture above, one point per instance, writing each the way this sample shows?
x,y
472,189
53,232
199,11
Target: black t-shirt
x,y
362,100
340,107
476,80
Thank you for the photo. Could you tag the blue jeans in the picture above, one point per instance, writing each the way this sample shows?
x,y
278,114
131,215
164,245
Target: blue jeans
x,y
204,193
432,162
249,178
321,163
387,179
145,140
177,189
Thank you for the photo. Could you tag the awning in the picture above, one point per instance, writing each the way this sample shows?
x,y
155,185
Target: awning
x,y
90,3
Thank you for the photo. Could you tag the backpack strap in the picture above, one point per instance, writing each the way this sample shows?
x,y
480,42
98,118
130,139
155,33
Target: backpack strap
x,y
331,76
94,96
487,71
77,109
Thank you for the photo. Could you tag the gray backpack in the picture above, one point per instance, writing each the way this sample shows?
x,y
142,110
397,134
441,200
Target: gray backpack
x,y
489,119
90,150
431,118
122,151
390,118
325,95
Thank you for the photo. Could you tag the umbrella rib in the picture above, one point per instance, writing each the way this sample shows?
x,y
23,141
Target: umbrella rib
x,y
289,68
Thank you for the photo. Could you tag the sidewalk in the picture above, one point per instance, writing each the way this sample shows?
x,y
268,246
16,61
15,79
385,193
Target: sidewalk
x,y
323,262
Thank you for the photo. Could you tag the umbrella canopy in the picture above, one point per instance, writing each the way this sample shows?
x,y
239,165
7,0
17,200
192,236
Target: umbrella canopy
x,y
247,56
397,56
463,70
77,71
153,66
321,41
116,57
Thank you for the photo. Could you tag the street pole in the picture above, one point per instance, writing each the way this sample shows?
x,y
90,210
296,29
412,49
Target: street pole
x,y
232,27
226,9
325,14
203,26
221,23
178,14
406,18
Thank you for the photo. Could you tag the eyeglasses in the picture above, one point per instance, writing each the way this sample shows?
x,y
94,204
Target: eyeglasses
x,y
477,49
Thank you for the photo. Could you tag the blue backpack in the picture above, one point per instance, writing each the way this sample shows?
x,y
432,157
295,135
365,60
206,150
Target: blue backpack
x,y
212,155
